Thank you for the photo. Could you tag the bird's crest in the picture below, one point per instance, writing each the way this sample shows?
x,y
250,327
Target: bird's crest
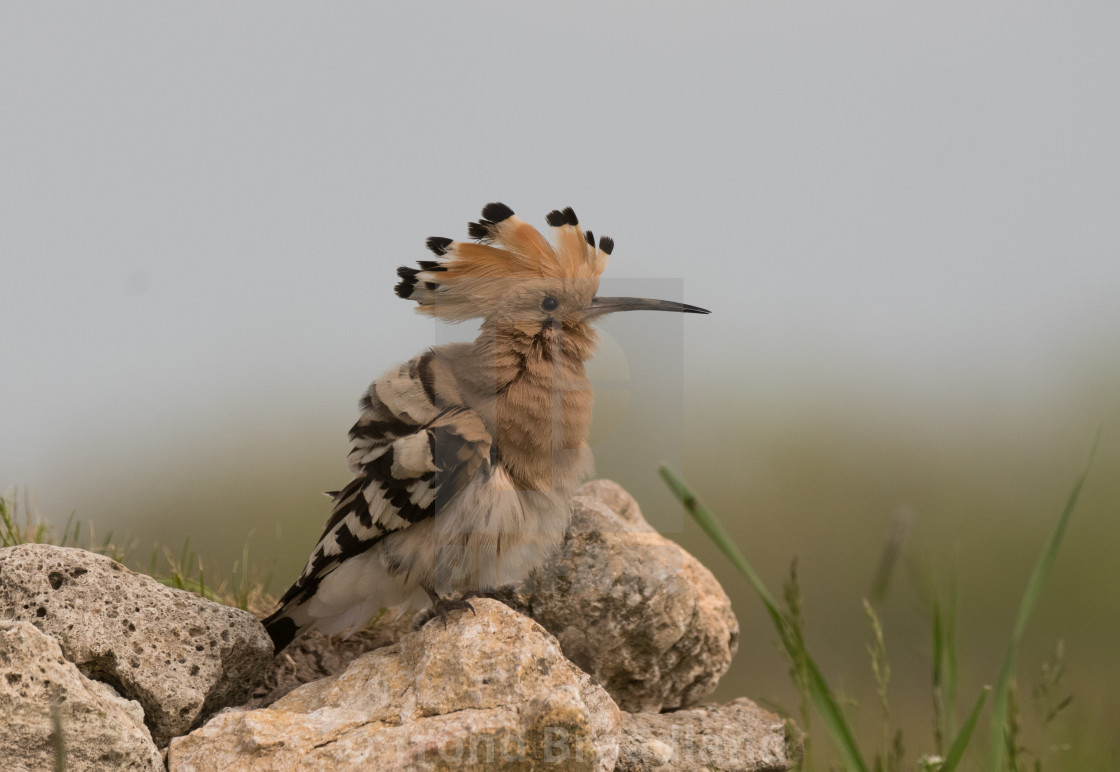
x,y
469,279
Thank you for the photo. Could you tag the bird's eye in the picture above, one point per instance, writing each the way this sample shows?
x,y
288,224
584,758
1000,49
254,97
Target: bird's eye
x,y
549,303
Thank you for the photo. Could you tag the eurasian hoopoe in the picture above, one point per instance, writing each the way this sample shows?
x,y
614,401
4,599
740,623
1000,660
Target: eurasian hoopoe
x,y
465,457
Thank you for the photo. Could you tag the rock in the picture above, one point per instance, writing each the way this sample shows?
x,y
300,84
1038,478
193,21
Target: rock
x,y
736,737
485,691
314,655
180,656
100,729
636,612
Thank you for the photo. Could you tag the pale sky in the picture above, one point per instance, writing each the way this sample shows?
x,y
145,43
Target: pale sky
x,y
204,204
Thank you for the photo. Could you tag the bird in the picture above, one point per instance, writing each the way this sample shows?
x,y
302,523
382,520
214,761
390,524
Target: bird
x,y
465,457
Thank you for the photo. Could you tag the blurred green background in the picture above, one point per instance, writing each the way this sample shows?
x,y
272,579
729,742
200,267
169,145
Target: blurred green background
x,y
904,218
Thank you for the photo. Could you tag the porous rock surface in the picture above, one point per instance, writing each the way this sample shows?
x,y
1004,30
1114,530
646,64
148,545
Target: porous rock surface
x,y
634,610
180,656
99,729
736,737
485,691
314,655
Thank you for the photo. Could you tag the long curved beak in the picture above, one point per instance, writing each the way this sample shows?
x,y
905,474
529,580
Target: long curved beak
x,y
600,306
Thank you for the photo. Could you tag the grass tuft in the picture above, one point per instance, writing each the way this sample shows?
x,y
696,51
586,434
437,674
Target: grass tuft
x,y
28,529
1026,607
247,587
819,691
1007,751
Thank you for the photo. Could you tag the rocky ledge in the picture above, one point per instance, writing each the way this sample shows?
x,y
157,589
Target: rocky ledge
x,y
598,663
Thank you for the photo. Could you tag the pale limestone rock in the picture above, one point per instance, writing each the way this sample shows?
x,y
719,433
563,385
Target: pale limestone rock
x,y
100,729
314,655
180,656
736,737
486,691
631,608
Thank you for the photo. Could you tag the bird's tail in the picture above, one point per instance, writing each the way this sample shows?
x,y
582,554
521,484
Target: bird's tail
x,y
284,624
340,600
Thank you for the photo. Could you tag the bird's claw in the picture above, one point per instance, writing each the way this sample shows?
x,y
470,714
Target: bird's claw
x,y
441,607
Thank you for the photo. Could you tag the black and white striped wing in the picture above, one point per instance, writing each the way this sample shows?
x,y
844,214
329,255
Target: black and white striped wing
x,y
411,455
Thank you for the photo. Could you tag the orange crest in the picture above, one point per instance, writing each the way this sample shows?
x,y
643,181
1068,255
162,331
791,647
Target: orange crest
x,y
471,279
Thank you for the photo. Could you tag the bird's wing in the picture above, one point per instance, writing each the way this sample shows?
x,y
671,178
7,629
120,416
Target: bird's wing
x,y
414,448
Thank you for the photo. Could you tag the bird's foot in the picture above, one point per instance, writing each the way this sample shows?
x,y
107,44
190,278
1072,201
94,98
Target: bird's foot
x,y
440,608
445,606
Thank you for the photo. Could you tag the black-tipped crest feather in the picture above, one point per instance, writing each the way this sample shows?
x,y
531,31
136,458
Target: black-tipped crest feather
x,y
496,211
407,282
439,244
480,231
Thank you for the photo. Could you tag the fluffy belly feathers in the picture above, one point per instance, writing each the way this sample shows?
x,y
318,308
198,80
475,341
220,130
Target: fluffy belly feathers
x,y
490,535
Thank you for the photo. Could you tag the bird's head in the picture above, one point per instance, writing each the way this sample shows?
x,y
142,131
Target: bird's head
x,y
512,275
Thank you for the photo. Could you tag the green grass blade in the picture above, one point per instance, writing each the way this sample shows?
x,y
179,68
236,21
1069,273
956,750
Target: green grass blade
x,y
960,743
716,532
819,691
1026,607
939,709
7,535
951,672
